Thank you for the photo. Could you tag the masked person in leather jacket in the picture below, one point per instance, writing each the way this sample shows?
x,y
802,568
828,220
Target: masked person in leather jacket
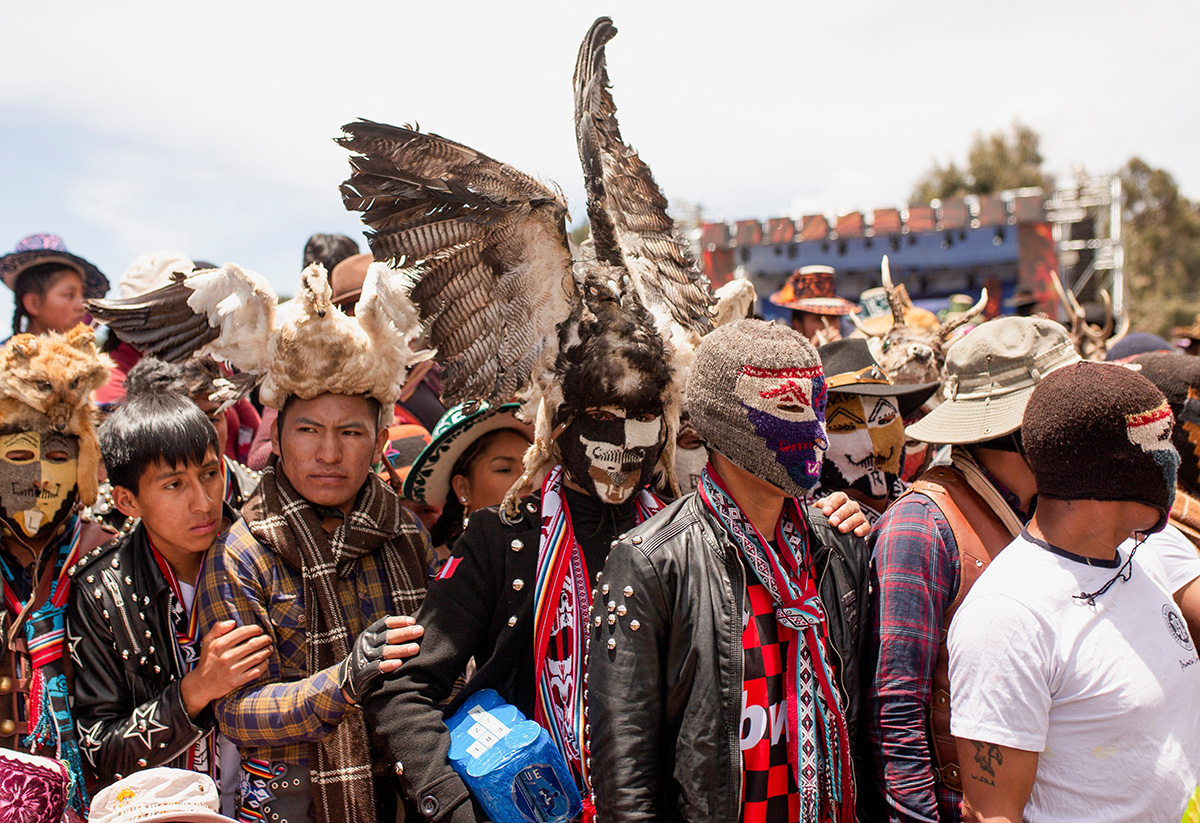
x,y
723,659
132,623
515,593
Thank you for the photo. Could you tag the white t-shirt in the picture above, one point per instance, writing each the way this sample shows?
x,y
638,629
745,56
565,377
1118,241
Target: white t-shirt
x,y
1175,553
1108,694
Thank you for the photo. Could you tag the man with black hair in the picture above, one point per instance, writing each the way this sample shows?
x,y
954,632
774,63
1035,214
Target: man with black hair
x,y
324,554
1075,682
328,250
146,699
933,543
196,379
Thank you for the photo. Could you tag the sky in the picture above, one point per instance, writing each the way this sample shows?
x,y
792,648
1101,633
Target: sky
x,y
207,128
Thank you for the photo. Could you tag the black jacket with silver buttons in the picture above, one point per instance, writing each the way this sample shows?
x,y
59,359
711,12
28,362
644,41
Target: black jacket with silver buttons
x,y
483,609
128,708
665,663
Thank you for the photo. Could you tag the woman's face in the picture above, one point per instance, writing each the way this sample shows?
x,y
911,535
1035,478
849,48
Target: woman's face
x,y
60,308
493,472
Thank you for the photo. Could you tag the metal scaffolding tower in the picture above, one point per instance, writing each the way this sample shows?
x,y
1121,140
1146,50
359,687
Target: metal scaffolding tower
x,y
1085,211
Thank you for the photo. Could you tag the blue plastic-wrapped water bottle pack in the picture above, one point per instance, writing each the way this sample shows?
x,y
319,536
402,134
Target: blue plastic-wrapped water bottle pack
x,y
510,764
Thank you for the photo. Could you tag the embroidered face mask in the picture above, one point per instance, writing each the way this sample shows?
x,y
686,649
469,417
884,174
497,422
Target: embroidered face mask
x,y
609,454
1151,430
786,409
37,480
866,443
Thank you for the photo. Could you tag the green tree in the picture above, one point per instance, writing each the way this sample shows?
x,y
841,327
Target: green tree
x,y
1162,249
996,162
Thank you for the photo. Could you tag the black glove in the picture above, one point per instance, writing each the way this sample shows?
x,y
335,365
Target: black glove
x,y
358,673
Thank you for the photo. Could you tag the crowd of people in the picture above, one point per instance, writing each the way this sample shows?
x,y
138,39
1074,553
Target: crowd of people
x,y
484,525
185,634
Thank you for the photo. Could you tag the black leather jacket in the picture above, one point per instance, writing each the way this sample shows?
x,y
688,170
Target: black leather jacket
x,y
665,677
128,707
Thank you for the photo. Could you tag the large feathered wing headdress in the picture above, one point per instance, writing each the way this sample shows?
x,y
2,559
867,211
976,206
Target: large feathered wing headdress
x,y
485,254
305,347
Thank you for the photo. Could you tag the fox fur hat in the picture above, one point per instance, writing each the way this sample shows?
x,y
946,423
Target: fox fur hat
x,y
46,384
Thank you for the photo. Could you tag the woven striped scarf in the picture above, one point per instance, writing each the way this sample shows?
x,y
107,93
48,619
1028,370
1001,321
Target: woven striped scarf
x,y
820,747
561,603
48,709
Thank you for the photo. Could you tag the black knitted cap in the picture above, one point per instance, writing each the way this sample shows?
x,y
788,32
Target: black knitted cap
x,y
1178,377
1095,431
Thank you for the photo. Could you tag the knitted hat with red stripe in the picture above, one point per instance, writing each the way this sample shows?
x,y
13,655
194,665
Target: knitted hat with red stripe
x,y
1095,431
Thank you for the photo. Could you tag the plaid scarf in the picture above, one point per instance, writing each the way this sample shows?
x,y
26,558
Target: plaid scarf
x,y
820,755
279,518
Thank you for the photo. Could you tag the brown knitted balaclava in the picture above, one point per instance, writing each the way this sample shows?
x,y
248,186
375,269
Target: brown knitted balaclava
x,y
1178,377
1095,431
756,393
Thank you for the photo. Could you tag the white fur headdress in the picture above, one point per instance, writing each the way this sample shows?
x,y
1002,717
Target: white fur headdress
x,y
305,347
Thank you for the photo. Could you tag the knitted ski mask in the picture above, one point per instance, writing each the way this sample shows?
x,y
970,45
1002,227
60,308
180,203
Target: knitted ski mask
x,y
1178,377
756,394
866,443
1094,431
37,480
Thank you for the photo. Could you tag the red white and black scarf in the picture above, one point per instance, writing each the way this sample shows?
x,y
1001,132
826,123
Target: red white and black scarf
x,y
820,754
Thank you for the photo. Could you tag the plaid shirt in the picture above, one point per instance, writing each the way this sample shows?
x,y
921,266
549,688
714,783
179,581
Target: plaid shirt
x,y
915,571
276,717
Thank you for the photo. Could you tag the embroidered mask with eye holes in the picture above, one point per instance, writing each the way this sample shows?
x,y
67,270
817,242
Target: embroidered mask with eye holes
x,y
786,409
37,480
866,444
610,454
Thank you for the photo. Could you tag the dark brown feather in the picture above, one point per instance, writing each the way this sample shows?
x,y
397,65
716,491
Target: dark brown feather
x,y
460,223
626,208
159,323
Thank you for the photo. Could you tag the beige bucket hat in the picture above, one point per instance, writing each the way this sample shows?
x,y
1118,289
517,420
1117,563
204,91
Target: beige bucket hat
x,y
990,374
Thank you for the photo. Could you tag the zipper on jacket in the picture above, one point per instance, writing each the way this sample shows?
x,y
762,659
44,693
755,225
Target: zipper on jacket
x,y
739,590
114,587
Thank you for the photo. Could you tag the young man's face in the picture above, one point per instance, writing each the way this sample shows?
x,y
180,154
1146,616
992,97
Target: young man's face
x,y
326,446
180,506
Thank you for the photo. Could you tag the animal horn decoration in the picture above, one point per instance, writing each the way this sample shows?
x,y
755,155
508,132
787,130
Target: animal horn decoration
x,y
486,260
858,324
893,297
952,325
1092,342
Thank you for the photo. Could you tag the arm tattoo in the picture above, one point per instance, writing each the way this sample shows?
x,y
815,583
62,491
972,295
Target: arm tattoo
x,y
985,753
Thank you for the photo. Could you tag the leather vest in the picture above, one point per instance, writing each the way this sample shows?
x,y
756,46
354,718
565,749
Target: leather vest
x,y
979,535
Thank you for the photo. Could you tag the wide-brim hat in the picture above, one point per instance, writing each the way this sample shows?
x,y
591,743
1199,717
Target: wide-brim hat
x,y
159,794
850,369
347,278
49,248
406,441
990,375
811,289
429,479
